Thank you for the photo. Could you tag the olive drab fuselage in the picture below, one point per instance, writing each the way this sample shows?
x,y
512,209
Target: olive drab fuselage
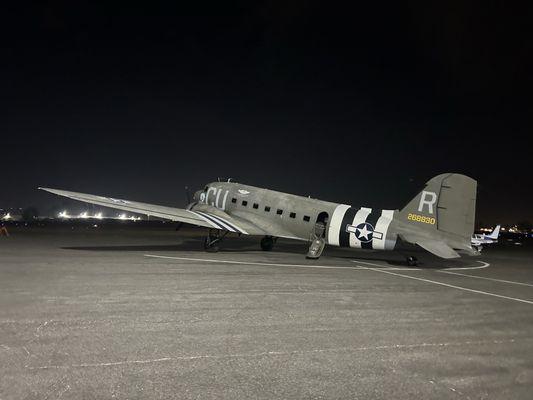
x,y
345,226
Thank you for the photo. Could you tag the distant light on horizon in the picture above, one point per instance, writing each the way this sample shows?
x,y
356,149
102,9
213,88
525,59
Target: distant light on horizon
x,y
124,217
99,216
63,214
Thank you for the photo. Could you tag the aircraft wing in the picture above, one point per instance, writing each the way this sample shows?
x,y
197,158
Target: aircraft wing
x,y
207,216
243,222
439,248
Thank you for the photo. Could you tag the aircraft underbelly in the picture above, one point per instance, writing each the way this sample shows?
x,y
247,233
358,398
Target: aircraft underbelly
x,y
361,228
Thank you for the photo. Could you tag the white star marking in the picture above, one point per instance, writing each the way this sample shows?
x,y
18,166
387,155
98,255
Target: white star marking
x,y
364,232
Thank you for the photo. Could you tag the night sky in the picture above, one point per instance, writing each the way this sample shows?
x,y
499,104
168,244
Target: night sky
x,y
359,105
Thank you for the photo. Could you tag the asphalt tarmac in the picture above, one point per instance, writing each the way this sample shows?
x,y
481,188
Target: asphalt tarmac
x,y
135,313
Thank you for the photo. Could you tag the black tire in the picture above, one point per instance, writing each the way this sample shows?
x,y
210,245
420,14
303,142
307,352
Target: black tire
x,y
267,243
210,248
412,261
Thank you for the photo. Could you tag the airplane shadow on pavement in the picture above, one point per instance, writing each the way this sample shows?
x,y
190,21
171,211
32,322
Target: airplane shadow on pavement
x,y
375,259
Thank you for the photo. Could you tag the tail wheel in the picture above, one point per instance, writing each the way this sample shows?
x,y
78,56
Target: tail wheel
x,y
412,261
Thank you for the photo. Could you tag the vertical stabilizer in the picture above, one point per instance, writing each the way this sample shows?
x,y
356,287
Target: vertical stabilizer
x,y
447,204
495,233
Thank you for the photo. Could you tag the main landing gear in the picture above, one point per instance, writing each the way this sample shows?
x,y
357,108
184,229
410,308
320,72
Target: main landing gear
x,y
214,236
267,243
412,261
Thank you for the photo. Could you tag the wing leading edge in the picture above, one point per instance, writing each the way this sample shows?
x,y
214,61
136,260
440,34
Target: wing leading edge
x,y
200,218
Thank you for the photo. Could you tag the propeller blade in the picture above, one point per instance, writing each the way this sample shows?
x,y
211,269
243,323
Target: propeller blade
x,y
188,194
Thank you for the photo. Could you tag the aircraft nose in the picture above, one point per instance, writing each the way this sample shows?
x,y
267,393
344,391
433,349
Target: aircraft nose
x,y
196,196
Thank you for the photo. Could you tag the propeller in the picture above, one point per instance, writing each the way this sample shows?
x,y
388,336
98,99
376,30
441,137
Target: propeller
x,y
188,194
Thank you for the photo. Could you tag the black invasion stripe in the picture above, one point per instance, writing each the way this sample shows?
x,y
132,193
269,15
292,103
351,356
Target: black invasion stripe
x,y
344,236
372,219
222,221
219,221
211,220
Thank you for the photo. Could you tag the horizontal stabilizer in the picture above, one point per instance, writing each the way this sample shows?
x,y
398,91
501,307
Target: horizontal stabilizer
x,y
436,247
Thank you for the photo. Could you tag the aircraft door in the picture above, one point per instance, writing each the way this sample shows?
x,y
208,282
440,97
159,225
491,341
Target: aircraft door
x,y
320,224
318,239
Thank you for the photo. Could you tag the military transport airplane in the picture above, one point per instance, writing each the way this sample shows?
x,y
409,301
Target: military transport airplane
x,y
440,219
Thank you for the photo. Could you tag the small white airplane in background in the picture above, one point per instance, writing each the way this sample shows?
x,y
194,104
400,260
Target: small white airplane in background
x,y
478,240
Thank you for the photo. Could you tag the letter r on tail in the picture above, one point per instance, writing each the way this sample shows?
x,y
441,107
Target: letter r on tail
x,y
427,199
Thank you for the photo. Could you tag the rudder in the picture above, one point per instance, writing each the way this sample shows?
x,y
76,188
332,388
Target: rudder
x,y
447,203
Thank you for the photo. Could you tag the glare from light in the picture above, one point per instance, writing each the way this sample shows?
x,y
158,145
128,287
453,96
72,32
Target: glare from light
x,y
7,217
84,215
98,215
122,216
64,214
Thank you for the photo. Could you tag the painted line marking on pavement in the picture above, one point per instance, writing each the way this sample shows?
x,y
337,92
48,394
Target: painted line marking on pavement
x,y
386,267
253,263
451,286
488,279
278,353
484,265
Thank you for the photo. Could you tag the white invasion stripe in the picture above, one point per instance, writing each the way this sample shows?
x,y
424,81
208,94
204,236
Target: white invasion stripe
x,y
451,286
382,226
208,216
205,219
218,196
230,224
224,201
335,224
221,221
359,218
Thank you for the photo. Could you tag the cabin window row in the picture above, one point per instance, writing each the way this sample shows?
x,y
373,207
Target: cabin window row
x,y
279,211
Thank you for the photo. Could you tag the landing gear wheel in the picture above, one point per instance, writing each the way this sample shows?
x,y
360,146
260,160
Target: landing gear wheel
x,y
267,243
211,240
412,261
209,246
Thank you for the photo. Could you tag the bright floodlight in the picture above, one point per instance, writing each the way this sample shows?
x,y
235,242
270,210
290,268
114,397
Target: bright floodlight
x,y
84,215
98,215
122,216
63,214
6,217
